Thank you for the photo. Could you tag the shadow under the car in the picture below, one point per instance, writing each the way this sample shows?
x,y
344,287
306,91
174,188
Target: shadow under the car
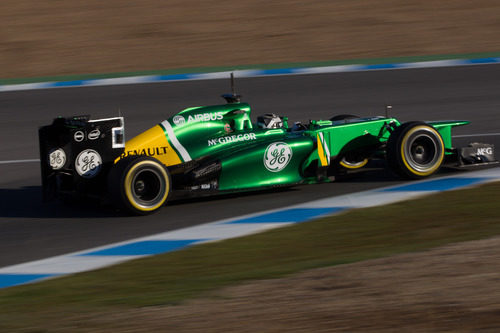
x,y
228,196
27,202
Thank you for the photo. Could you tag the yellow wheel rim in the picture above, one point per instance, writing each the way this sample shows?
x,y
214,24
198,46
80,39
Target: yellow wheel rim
x,y
410,164
130,184
353,165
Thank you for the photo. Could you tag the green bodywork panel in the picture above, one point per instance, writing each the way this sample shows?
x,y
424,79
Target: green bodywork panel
x,y
444,128
253,157
343,136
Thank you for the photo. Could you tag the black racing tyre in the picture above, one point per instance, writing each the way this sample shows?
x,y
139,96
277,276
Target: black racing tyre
x,y
343,117
139,184
415,150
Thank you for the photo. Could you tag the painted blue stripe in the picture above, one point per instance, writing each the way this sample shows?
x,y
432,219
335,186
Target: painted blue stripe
x,y
75,83
381,66
290,215
278,71
483,61
144,248
9,280
174,77
438,184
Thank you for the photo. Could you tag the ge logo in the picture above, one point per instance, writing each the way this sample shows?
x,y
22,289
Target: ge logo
x,y
88,163
57,159
277,156
179,120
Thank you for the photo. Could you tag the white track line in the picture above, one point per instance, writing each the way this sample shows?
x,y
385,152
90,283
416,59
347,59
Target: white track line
x,y
473,135
20,161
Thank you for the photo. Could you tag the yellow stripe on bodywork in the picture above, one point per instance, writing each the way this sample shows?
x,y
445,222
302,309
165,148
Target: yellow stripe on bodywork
x,y
154,143
321,152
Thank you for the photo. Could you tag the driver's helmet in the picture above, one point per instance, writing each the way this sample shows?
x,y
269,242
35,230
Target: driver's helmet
x,y
269,120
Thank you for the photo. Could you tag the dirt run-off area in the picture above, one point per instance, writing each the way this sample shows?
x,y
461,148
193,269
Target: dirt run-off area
x,y
64,37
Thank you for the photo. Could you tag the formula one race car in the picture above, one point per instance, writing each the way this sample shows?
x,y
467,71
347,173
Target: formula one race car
x,y
217,149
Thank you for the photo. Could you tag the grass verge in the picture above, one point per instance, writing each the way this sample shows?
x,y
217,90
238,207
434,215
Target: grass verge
x,y
171,278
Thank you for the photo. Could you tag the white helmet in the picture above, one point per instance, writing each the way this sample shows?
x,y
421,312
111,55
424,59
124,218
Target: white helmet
x,y
269,120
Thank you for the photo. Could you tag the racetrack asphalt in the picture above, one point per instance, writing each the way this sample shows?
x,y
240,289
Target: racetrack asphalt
x,y
31,230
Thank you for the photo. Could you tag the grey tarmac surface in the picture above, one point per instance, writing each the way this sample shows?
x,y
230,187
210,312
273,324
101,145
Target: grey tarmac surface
x,y
30,230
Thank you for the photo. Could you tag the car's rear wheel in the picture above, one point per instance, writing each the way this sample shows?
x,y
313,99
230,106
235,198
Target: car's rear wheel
x,y
415,150
140,185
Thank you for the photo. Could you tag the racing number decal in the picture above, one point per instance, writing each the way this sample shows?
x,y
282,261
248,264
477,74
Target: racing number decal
x,y
277,156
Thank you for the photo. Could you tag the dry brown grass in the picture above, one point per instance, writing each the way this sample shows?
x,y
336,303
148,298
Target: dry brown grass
x,y
45,38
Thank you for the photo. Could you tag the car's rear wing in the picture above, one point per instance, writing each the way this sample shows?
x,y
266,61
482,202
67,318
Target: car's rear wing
x,y
76,153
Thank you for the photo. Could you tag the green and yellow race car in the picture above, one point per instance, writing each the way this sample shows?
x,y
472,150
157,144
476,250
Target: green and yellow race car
x,y
218,149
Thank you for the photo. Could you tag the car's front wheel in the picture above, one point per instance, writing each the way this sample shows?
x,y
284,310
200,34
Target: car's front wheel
x,y
415,150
